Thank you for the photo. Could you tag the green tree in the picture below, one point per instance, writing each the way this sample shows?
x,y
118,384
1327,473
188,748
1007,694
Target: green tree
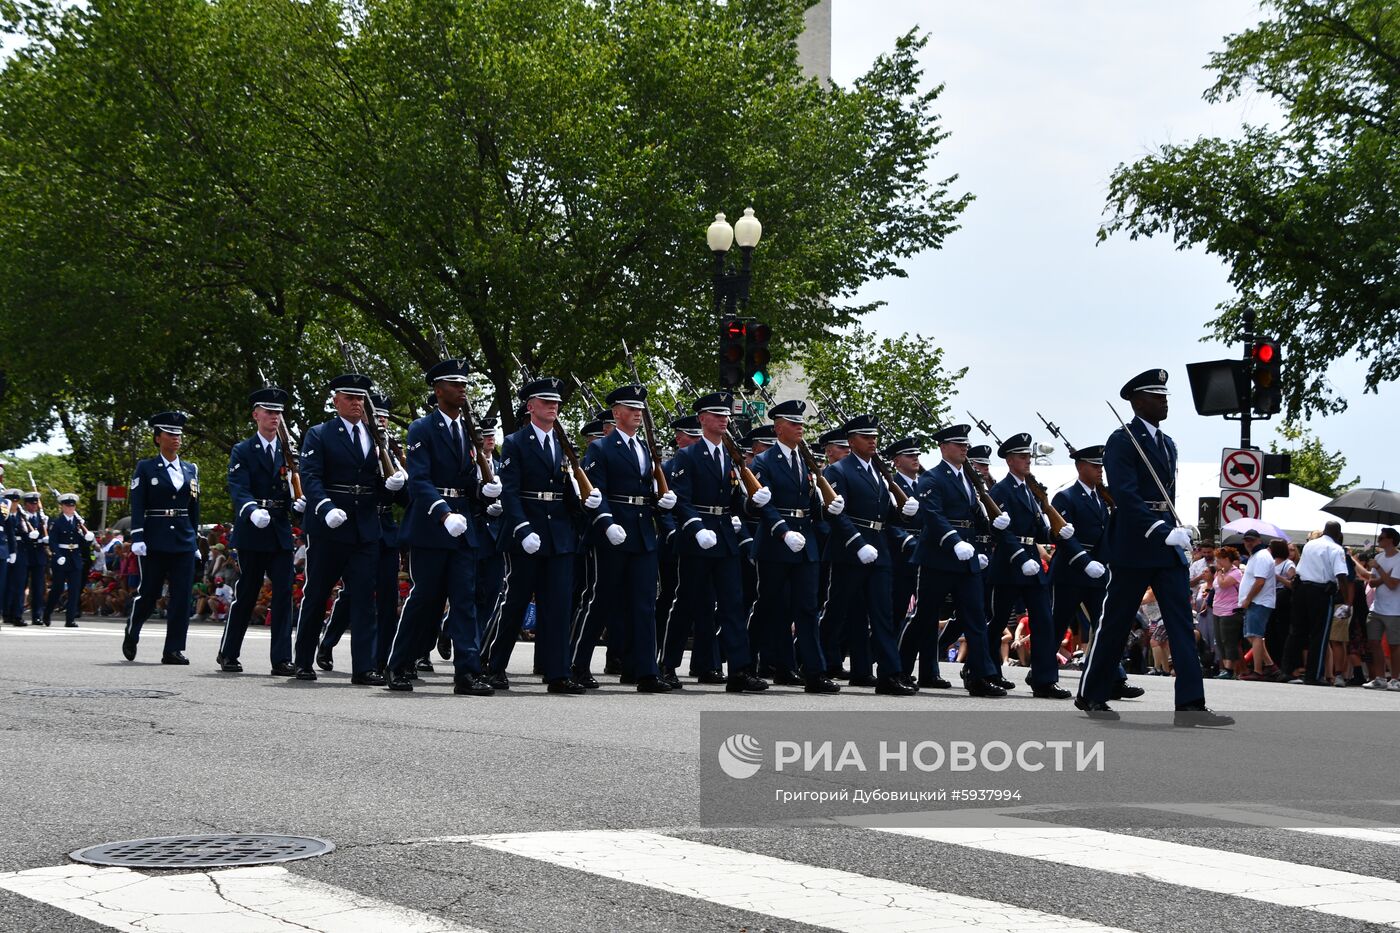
x,y
216,188
1314,466
889,377
1305,216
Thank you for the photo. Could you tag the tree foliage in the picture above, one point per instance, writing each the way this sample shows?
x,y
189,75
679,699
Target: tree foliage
x,y
1314,466
213,189
1306,216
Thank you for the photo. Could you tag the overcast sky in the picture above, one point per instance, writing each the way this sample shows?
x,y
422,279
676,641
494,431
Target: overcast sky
x,y
1043,100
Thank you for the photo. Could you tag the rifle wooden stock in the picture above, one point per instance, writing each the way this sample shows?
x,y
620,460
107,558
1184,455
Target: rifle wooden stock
x,y
900,497
585,488
657,474
1057,521
746,476
979,483
289,460
823,486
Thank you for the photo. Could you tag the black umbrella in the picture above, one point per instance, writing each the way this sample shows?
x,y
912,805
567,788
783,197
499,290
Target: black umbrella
x,y
1366,505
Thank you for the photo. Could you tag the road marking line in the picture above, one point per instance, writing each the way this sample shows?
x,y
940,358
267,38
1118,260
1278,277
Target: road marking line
x,y
825,897
256,899
1274,881
1272,817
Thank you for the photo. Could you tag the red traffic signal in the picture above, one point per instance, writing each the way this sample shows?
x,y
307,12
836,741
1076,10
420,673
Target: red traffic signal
x,y
1265,373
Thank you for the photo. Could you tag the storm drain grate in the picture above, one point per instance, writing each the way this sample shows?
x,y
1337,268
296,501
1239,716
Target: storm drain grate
x,y
96,692
214,851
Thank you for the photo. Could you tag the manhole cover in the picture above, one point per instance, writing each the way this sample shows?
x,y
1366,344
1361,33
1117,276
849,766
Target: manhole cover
x,y
203,851
95,692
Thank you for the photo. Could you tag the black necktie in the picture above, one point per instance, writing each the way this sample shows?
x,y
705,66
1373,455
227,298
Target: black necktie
x,y
792,460
1162,446
457,443
355,439
548,449
632,446
967,488
271,458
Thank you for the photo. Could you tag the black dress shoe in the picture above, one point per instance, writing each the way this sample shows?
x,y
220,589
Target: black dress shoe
x,y
18,623
712,677
889,686
410,673
1001,682
863,680
788,679
978,687
424,665
908,681
767,672
284,669
627,681
444,647
745,683
1096,709
567,686
839,673
670,679
304,673
653,685
368,679
230,666
612,667
585,679
70,625
935,683
821,685
1198,714
47,623
219,658
324,659
1126,691
1050,692
400,682
128,649
174,657
498,680
473,685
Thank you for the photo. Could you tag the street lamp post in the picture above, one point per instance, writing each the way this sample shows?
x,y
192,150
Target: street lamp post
x,y
732,286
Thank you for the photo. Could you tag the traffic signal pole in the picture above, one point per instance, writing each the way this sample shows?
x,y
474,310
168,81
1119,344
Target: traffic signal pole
x,y
1246,410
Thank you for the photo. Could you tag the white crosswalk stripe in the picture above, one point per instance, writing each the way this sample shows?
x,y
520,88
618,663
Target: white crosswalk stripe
x,y
1290,820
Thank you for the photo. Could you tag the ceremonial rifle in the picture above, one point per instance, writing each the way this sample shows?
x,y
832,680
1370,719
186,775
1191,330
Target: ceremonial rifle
x,y
585,488
82,526
736,456
657,474
483,462
979,482
289,452
376,434
1054,429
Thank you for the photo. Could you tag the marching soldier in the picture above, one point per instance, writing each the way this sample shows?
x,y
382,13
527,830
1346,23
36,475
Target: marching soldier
x,y
786,552
949,565
1018,576
21,535
833,446
685,431
858,599
1078,571
1148,550
386,575
68,541
9,543
709,596
340,474
538,541
28,571
164,500
259,491
902,534
490,560
443,535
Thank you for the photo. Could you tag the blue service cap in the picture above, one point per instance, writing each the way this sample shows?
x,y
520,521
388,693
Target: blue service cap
x,y
449,370
1015,444
352,384
632,396
1153,381
546,388
171,422
270,397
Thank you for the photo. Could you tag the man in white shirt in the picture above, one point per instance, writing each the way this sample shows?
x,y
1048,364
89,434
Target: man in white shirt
x,y
1322,582
1385,611
1258,599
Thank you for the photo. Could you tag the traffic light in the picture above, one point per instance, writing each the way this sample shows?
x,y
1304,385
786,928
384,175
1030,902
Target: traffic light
x,y
756,354
732,332
1265,376
1275,487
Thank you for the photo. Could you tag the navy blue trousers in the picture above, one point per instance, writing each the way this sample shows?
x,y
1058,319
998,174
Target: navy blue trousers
x,y
253,566
858,605
709,600
920,635
353,564
386,608
26,573
69,576
444,579
1126,586
786,598
1080,607
625,595
549,580
157,569
1045,641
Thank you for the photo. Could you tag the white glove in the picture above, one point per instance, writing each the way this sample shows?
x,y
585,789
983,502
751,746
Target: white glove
x,y
455,523
300,504
1001,522
61,561
44,539
1030,568
139,549
910,508
33,535
706,539
836,506
530,543
495,509
867,554
335,518
616,535
794,541
261,517
667,501
11,558
1067,532
1179,537
490,490
89,537
762,496
963,551
736,523
395,480
595,499
1094,569
982,561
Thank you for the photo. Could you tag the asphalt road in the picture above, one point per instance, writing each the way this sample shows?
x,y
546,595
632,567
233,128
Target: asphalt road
x,y
398,781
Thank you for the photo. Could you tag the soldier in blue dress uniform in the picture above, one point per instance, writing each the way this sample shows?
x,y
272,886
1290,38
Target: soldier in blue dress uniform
x,y
833,446
164,497
31,562
442,532
785,549
902,534
490,559
261,496
9,543
685,431
68,544
1149,549
342,479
